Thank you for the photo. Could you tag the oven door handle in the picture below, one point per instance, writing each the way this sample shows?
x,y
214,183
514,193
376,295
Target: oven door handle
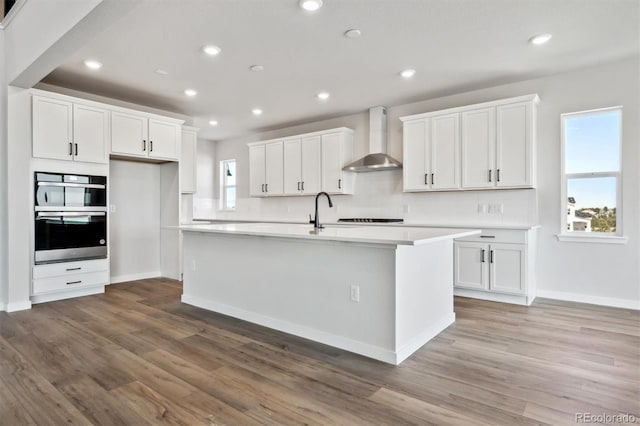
x,y
43,215
73,185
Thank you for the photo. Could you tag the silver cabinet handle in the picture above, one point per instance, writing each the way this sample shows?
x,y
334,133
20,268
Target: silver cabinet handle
x,y
298,186
431,178
262,188
150,146
426,178
498,175
70,214
487,236
339,183
144,144
70,148
482,256
76,154
302,185
491,256
73,269
266,187
73,185
490,175
74,282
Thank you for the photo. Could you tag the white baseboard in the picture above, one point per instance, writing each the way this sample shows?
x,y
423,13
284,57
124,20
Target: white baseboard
x,y
17,306
593,300
494,297
67,294
134,277
340,342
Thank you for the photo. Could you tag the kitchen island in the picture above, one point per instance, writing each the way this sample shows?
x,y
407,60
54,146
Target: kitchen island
x,y
381,292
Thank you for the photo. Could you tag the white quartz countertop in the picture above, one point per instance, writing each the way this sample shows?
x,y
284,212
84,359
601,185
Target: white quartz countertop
x,y
355,234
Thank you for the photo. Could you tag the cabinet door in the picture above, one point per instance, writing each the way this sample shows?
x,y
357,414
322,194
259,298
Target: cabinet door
x,y
507,268
416,152
52,128
257,171
514,157
445,151
129,134
311,164
164,140
471,265
90,134
332,175
292,166
478,148
274,172
188,162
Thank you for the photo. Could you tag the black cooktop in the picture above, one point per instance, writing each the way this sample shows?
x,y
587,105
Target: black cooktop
x,y
370,220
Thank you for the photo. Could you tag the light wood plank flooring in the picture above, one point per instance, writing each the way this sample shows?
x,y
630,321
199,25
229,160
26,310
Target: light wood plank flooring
x,y
137,356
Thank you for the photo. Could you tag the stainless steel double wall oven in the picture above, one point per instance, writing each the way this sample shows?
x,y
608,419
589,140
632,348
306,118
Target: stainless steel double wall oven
x,y
70,217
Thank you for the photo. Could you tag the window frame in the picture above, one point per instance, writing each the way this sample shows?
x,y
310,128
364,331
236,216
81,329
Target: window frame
x,y
597,237
222,206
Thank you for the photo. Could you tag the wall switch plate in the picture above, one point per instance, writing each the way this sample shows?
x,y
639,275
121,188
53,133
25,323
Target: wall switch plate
x,y
355,293
482,208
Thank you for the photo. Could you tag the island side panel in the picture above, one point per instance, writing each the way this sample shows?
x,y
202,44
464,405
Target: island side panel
x,y
298,286
424,294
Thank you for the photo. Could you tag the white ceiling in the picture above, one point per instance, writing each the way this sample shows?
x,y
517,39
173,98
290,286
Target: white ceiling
x,y
455,45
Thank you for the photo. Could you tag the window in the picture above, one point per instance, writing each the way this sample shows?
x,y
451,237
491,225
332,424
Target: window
x,y
591,143
228,185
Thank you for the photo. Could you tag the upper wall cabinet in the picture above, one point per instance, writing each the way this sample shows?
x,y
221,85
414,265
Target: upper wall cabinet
x,y
302,165
63,130
188,161
138,136
484,146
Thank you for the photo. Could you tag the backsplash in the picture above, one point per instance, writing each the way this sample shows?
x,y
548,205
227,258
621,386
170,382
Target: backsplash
x,y
380,195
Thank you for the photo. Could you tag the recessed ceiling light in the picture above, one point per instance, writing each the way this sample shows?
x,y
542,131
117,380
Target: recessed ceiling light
x,y
323,96
161,71
540,39
352,33
211,50
190,92
213,123
256,111
310,5
92,64
408,73
256,68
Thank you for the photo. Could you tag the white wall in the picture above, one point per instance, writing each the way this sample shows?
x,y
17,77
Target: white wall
x,y
134,231
601,273
3,176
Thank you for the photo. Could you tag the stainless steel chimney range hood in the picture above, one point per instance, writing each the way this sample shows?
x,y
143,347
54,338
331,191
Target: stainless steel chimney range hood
x,y
377,159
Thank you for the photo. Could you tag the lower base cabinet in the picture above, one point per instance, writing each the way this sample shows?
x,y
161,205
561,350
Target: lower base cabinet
x,y
56,280
500,270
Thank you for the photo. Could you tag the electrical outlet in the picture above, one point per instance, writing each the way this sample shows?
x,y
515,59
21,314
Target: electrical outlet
x,y
482,208
193,264
355,293
500,208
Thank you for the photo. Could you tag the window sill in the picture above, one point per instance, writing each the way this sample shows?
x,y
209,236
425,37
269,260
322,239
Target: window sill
x,y
602,239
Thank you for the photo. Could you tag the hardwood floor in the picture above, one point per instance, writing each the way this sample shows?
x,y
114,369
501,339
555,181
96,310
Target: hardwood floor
x,y
136,355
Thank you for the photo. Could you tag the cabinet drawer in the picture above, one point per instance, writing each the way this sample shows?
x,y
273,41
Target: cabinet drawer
x,y
70,282
498,236
70,268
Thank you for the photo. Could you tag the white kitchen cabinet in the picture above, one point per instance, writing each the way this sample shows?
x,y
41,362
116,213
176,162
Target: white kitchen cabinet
x,y
63,130
65,276
496,265
337,151
415,168
514,136
188,163
164,140
136,135
129,134
302,164
90,134
470,270
478,148
483,146
266,169
302,160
